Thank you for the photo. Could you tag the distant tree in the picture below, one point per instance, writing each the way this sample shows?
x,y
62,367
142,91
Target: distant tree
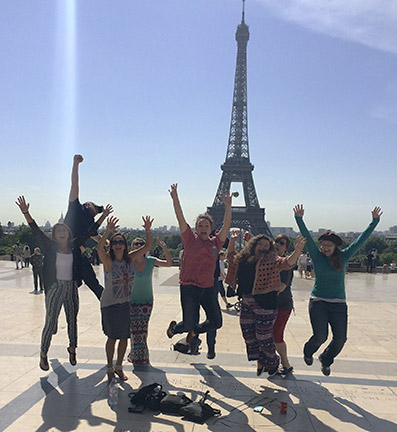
x,y
6,250
26,236
375,243
386,258
391,247
173,252
173,241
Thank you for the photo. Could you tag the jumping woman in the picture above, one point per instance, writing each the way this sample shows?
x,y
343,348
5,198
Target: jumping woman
x,y
327,305
62,271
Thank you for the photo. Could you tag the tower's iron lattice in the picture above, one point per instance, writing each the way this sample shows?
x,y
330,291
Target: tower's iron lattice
x,y
237,167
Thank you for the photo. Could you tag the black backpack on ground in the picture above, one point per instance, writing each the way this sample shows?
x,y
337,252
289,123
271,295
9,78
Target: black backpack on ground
x,y
200,411
172,403
147,396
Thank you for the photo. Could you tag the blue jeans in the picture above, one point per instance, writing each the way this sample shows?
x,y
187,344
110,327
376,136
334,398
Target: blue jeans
x,y
192,297
211,334
323,313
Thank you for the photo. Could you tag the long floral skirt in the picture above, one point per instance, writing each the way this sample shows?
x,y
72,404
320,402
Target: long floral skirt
x,y
140,315
257,328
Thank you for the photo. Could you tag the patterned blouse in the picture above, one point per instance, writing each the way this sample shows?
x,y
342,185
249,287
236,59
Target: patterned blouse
x,y
267,273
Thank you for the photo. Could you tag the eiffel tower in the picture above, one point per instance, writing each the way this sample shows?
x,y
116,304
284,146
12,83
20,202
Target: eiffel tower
x,y
237,167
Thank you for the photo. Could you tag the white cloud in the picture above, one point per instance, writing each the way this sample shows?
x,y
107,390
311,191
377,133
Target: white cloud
x,y
370,22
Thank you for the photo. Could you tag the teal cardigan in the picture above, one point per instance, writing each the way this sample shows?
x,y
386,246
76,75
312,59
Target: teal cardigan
x,y
329,283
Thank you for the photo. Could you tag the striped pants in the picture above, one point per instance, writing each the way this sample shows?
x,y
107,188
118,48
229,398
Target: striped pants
x,y
257,327
61,293
140,315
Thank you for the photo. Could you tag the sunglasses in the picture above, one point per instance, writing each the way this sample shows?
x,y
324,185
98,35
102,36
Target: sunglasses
x,y
117,242
138,244
281,242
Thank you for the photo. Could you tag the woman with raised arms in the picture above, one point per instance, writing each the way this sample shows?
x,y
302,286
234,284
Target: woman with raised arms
x,y
116,297
327,304
256,270
62,274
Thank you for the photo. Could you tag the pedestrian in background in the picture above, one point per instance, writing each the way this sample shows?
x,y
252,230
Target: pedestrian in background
x,y
37,261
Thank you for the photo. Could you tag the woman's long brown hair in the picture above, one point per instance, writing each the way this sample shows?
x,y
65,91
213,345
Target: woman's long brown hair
x,y
248,252
126,257
336,259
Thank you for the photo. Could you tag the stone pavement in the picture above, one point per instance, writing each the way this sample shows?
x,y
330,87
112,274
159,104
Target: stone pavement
x,y
360,394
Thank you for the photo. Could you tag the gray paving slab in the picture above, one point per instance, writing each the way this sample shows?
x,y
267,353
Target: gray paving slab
x,y
360,394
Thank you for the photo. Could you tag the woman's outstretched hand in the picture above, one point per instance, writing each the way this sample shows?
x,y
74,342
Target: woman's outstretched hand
x,y
300,243
226,198
299,210
107,210
77,159
173,190
112,224
22,204
377,212
235,234
161,243
147,222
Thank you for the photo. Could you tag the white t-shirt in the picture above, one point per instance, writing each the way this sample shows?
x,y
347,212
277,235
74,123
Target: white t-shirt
x,y
303,259
64,266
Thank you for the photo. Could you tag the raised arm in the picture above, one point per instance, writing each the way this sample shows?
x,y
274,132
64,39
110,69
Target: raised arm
x,y
363,237
24,207
231,274
232,242
103,255
137,253
106,212
300,244
168,259
227,218
311,245
74,187
94,227
177,208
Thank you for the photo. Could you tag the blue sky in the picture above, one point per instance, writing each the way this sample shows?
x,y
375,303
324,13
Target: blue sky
x,y
144,90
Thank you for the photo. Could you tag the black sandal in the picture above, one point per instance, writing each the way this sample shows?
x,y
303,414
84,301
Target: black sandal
x,y
72,357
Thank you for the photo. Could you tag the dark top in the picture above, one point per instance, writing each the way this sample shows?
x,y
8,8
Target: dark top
x,y
51,248
79,218
246,276
285,300
37,261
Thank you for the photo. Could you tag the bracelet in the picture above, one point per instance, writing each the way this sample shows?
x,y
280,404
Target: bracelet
x,y
25,212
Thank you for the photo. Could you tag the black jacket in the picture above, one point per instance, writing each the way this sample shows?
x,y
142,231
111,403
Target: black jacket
x,y
51,248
